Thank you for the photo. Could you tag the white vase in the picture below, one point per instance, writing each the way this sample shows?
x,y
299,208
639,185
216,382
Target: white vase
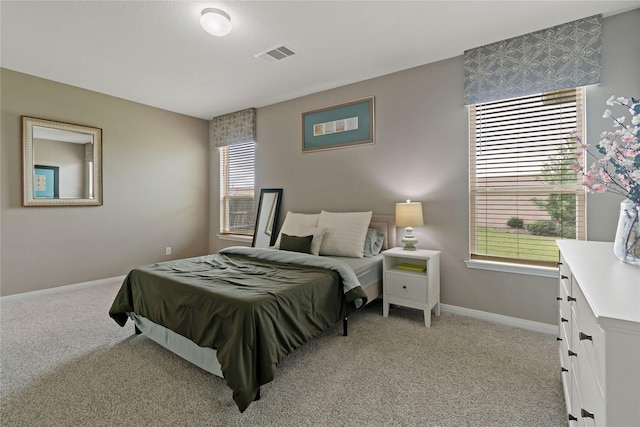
x,y
627,243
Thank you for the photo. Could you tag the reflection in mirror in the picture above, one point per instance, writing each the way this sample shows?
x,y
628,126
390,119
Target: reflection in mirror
x,y
265,234
62,163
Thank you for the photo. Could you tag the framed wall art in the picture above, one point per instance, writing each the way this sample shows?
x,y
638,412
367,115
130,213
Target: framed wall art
x,y
46,181
338,126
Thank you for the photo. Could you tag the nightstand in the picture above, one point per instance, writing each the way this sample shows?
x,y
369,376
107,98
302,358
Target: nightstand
x,y
412,279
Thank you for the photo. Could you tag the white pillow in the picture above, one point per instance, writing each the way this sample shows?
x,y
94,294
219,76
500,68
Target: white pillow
x,y
293,221
345,233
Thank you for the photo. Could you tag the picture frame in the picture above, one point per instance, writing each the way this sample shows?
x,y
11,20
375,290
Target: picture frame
x,y
339,126
46,181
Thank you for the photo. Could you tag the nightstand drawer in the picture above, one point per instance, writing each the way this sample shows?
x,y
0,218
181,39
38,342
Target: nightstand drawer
x,y
407,286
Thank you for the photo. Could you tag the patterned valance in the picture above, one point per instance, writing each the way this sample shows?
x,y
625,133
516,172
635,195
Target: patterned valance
x,y
561,57
233,128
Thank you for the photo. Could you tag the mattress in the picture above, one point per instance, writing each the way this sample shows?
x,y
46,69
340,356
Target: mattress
x,y
368,270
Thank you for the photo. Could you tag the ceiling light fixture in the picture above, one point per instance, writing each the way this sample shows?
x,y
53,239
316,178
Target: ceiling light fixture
x,y
215,22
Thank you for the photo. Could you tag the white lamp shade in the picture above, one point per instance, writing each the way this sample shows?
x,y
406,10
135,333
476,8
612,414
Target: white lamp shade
x,y
215,22
409,214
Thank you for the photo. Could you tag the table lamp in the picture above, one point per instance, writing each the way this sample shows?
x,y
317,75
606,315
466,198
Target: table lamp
x,y
409,215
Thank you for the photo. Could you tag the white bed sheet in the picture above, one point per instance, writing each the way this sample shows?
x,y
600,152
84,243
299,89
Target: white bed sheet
x,y
368,270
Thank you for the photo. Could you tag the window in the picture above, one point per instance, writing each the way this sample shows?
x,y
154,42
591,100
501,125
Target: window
x,y
524,193
237,165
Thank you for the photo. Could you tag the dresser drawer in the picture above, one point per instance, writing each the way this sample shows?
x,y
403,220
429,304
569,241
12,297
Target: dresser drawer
x,y
565,345
565,302
575,409
590,337
591,410
565,272
407,286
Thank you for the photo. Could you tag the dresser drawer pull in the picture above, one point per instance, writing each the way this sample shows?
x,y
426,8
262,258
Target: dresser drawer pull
x,y
558,298
562,276
572,353
559,263
586,414
558,339
570,298
572,418
584,336
404,286
562,319
563,369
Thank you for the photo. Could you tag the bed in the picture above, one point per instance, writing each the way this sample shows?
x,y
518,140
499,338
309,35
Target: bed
x,y
237,313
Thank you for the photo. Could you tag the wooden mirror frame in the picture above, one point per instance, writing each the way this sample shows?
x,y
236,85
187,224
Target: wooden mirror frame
x,y
29,163
267,219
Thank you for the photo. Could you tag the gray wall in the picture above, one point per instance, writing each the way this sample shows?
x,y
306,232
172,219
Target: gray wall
x,y
156,191
156,165
421,152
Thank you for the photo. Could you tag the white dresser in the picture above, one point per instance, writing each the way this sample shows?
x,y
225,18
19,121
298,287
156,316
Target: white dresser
x,y
599,305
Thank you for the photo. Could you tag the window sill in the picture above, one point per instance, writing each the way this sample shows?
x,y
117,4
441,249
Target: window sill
x,y
504,267
235,238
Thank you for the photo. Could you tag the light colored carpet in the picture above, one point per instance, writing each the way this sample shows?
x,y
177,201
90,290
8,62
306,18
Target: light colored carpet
x,y
64,362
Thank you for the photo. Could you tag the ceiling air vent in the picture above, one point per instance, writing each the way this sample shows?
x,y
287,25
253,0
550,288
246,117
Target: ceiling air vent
x,y
276,53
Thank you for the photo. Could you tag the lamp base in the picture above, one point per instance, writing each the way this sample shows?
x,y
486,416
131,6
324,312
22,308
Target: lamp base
x,y
409,240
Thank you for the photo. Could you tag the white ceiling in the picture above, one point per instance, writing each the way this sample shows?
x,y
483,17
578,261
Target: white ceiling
x,y
156,53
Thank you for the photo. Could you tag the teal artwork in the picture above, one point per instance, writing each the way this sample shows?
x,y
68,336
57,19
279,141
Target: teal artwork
x,y
338,126
46,182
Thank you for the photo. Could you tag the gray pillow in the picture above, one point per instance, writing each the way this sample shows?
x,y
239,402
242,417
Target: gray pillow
x,y
373,242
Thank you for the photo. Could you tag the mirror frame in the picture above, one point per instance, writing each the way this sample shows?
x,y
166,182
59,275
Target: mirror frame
x,y
28,163
273,217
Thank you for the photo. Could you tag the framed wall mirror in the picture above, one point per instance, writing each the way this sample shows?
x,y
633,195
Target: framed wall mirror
x,y
61,164
265,233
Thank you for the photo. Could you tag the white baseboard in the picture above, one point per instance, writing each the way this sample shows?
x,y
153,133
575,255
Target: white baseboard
x,y
504,320
65,288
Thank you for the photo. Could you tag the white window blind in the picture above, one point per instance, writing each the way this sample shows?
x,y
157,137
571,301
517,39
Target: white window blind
x,y
524,192
237,166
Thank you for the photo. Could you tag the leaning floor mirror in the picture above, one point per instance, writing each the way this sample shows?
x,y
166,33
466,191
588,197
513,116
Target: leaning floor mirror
x,y
61,164
265,234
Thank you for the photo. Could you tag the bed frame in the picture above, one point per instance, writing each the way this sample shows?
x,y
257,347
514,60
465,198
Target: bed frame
x,y
205,358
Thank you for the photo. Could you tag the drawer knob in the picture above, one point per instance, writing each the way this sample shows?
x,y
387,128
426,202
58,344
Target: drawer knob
x,y
572,353
562,276
559,263
558,298
404,286
558,339
584,336
586,414
562,319
570,298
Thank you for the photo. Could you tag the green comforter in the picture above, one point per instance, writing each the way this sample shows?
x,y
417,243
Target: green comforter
x,y
253,311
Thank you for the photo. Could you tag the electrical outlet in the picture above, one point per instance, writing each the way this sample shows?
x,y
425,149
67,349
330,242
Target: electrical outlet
x,y
167,250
